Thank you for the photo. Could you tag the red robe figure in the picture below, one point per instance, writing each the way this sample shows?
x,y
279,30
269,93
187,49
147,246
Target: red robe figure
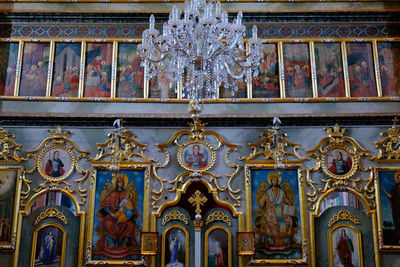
x,y
196,160
340,166
54,166
117,238
58,87
219,258
344,247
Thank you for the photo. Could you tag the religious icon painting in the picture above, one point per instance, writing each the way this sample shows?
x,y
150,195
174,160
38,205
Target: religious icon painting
x,y
389,65
344,246
56,162
48,248
196,156
149,243
277,215
266,84
387,190
339,162
236,89
130,75
9,198
98,70
361,70
8,67
161,87
35,63
296,59
245,243
329,66
217,249
118,213
66,72
175,247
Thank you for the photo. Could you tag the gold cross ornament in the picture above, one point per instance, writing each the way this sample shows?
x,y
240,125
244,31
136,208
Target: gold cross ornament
x,y
197,199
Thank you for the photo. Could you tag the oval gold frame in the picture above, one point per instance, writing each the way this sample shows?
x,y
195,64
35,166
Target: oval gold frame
x,y
185,145
66,174
354,160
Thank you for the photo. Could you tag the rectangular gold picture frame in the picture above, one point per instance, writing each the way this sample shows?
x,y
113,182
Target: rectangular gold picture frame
x,y
273,197
387,190
118,200
10,191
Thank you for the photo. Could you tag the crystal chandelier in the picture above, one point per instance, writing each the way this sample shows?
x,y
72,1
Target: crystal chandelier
x,y
200,50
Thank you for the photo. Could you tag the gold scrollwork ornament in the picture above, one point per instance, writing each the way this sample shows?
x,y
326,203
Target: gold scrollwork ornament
x,y
60,144
343,215
389,146
339,157
196,136
51,213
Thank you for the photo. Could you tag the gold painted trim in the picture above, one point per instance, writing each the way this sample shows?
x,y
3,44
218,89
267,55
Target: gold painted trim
x,y
360,252
313,70
51,213
282,82
14,223
345,69
146,217
18,69
377,68
229,252
302,207
343,215
82,70
114,70
34,244
163,246
50,69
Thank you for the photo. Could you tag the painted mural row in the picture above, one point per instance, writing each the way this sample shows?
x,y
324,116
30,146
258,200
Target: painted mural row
x,y
288,70
42,217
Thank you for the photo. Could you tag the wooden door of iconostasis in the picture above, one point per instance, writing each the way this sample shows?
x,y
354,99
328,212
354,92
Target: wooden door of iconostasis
x,y
50,231
344,232
185,241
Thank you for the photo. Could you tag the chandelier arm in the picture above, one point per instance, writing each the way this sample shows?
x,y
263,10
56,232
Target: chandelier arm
x,y
233,74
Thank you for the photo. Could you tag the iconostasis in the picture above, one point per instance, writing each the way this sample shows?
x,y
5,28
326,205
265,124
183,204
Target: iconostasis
x,y
218,197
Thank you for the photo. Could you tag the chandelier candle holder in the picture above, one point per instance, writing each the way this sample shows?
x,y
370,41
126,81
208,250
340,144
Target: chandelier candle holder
x,y
200,50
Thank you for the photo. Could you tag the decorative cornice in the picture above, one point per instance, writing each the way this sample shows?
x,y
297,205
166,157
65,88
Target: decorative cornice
x,y
51,213
343,215
218,216
175,215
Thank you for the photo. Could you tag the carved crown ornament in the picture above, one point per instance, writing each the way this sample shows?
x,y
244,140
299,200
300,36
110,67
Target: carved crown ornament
x,y
273,146
9,150
389,146
197,149
56,160
339,167
121,146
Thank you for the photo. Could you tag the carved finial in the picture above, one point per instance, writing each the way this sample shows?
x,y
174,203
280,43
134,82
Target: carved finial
x,y
58,133
336,131
195,108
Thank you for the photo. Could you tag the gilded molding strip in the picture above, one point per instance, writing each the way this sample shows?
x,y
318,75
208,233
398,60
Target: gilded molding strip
x,y
343,216
175,215
218,216
51,213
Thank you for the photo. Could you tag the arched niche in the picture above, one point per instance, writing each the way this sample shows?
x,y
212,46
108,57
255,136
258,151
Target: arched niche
x,y
181,212
30,221
357,222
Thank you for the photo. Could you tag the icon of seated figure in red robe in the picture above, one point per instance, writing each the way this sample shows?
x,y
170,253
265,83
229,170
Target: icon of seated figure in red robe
x,y
117,236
